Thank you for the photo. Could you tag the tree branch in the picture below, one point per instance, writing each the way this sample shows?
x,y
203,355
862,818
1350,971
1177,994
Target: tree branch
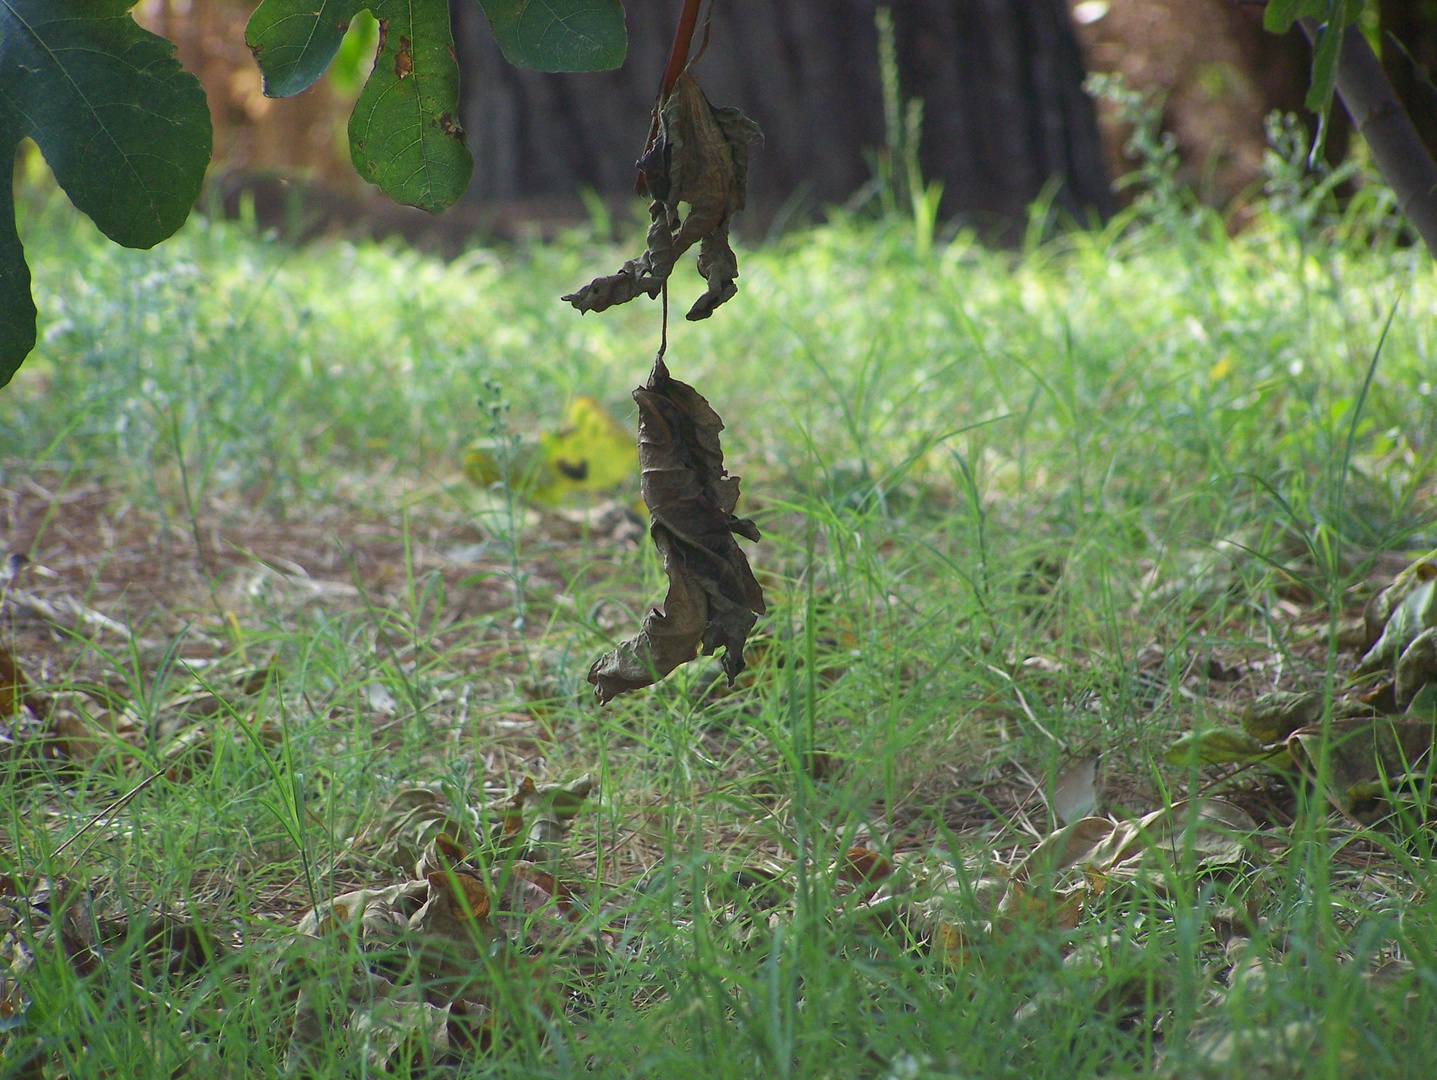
x,y
1397,149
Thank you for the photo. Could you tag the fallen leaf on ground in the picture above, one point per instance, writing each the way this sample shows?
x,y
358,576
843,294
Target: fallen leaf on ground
x,y
366,914
1220,746
713,599
391,965
15,688
699,156
1075,791
534,817
591,451
411,822
1212,830
1367,760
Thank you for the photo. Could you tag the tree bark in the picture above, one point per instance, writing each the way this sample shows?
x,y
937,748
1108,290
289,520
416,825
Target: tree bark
x,y
1396,147
1001,80
1413,23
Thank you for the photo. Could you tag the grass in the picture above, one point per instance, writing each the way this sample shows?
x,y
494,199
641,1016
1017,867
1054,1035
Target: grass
x,y
1017,508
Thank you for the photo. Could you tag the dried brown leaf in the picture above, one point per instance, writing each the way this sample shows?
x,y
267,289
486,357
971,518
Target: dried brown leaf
x,y
414,818
699,157
533,818
380,915
13,685
713,599
864,866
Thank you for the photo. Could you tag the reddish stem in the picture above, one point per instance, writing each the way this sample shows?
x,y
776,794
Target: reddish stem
x,y
679,53
678,56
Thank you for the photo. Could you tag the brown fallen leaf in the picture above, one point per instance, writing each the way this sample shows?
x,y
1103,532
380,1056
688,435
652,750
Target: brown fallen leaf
x,y
533,819
15,688
864,866
373,915
713,599
699,157
1213,833
415,817
442,854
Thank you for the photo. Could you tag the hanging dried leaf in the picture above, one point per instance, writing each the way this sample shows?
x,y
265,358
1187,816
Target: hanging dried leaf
x,y
700,157
713,598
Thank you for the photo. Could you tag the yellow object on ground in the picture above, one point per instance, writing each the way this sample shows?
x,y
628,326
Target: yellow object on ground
x,y
590,452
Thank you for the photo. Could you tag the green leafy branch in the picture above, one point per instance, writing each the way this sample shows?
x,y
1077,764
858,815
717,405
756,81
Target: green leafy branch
x,y
127,131
1343,61
1333,17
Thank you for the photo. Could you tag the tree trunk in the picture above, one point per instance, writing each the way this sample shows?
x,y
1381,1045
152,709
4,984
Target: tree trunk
x,y
1001,81
1414,24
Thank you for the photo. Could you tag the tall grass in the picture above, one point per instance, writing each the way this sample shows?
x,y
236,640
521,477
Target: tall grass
x,y
1109,455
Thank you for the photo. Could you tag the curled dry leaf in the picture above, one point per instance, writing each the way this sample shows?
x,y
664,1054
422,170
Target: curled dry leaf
x,y
1215,833
442,854
699,157
410,824
534,818
374,915
713,598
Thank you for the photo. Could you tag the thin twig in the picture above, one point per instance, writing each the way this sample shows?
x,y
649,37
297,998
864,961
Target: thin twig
x,y
664,321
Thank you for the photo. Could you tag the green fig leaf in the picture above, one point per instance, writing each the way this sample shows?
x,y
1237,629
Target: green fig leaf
x,y
559,35
404,134
124,128
293,41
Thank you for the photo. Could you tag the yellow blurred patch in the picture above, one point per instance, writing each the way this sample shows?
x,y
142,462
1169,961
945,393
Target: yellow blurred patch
x,y
590,452
1221,370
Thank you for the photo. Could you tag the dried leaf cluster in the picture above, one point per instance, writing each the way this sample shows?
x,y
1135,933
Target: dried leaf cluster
x,y
91,726
422,969
425,968
713,599
699,157
1381,728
